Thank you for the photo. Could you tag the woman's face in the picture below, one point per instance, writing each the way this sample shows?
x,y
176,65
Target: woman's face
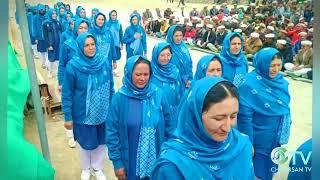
x,y
114,15
275,67
72,24
165,56
177,37
220,118
235,45
141,75
82,28
134,20
61,11
82,13
54,15
89,47
100,20
214,69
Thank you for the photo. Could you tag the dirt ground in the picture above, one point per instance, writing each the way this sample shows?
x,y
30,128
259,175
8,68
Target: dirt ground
x,y
66,160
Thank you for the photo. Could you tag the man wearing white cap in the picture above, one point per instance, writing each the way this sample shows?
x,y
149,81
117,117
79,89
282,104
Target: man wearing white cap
x,y
209,39
189,34
285,50
199,33
269,41
303,61
297,44
221,35
194,12
253,44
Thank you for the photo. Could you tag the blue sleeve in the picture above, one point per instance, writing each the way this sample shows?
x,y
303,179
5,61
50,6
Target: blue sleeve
x,y
34,27
245,117
167,171
121,34
111,84
67,93
190,69
128,37
63,60
144,40
170,123
112,134
112,54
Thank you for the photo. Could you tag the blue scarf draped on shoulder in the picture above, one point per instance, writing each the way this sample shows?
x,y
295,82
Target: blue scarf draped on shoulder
x,y
203,64
235,67
71,42
180,55
150,97
192,150
114,26
267,96
136,44
69,30
98,88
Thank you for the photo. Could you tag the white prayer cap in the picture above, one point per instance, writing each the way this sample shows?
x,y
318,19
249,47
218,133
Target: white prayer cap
x,y
224,4
163,19
301,18
281,41
189,24
306,43
199,25
175,19
274,2
209,26
234,21
149,19
243,25
221,27
252,4
224,19
256,28
290,24
270,28
311,30
207,17
237,30
215,17
302,33
270,35
259,15
255,35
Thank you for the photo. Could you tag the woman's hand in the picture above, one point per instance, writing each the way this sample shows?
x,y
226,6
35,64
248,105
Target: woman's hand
x,y
252,151
120,173
68,125
188,84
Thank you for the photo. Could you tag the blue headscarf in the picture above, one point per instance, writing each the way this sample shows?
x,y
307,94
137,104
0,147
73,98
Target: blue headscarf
x,y
114,26
128,88
192,150
77,24
203,64
93,15
180,55
96,29
151,100
234,66
165,73
63,16
50,13
69,30
267,96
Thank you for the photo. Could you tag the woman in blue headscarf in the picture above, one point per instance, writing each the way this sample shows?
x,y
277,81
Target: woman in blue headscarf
x,y
37,33
138,123
204,145
102,33
61,12
180,55
68,49
166,75
209,65
68,33
94,12
51,33
117,32
235,65
264,109
30,17
86,96
135,37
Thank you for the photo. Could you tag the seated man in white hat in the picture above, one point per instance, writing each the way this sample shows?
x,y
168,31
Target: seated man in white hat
x,y
209,39
189,34
221,34
285,50
269,41
252,44
303,61
200,30
297,45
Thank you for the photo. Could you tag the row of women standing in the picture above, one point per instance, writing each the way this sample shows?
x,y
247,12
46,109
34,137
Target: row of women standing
x,y
164,124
